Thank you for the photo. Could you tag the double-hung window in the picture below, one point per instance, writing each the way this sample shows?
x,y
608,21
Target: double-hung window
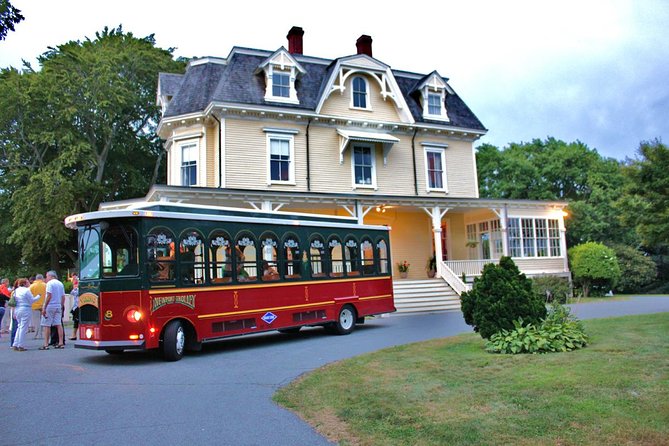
x,y
434,104
363,166
359,92
189,164
281,162
435,167
281,85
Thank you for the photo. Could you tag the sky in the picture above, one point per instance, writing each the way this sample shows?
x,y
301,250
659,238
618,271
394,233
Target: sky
x,y
595,71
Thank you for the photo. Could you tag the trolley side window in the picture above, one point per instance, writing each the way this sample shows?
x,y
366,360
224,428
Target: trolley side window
x,y
191,258
382,250
220,258
246,261
291,260
160,255
89,252
367,250
119,251
352,255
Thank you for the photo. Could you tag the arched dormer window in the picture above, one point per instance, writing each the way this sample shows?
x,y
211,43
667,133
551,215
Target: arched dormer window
x,y
359,93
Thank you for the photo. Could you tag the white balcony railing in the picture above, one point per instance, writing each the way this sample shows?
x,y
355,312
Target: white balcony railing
x,y
453,279
468,267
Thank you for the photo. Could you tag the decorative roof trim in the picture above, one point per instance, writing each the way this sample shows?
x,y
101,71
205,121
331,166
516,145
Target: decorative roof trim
x,y
206,60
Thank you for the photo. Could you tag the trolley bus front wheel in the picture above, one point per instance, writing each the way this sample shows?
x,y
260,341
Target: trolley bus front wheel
x,y
345,322
174,340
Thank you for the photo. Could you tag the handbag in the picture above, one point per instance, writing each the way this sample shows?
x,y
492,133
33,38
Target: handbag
x,y
12,301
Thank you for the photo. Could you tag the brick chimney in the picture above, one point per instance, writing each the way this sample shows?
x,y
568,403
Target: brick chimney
x,y
295,40
364,45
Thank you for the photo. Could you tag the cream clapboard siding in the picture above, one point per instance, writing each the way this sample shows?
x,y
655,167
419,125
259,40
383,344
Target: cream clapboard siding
x,y
179,137
540,265
328,175
339,104
461,175
211,147
246,155
457,236
410,238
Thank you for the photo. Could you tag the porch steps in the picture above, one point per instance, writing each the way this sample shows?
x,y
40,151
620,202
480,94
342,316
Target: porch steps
x,y
412,296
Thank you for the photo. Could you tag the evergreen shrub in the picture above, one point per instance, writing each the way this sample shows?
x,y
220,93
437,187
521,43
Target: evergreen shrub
x,y
500,296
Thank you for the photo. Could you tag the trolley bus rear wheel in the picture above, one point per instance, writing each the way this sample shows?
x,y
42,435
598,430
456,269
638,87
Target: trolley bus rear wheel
x,y
174,340
345,322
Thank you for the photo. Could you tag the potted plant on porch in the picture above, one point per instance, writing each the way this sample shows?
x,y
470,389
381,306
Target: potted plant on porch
x,y
403,266
431,266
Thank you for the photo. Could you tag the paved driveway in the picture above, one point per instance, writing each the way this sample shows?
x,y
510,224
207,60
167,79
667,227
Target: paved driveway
x,y
221,396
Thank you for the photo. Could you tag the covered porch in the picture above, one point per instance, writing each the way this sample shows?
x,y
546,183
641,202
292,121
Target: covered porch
x,y
463,234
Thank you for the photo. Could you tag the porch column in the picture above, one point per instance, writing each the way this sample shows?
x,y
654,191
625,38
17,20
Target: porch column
x,y
436,215
563,242
502,214
505,232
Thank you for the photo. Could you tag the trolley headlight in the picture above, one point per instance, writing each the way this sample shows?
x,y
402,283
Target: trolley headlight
x,y
134,316
89,333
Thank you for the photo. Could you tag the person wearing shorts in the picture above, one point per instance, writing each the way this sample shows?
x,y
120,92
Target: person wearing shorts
x,y
52,312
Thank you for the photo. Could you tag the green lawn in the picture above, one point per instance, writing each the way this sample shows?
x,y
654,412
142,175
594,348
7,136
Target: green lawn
x,y
451,392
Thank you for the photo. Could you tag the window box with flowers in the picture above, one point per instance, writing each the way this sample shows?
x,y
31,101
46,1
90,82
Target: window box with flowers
x,y
403,267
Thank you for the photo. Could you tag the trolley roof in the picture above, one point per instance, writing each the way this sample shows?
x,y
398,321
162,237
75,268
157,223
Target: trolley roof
x,y
215,213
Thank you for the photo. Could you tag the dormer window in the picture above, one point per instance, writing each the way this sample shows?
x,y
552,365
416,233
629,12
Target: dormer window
x,y
281,85
433,92
359,92
281,71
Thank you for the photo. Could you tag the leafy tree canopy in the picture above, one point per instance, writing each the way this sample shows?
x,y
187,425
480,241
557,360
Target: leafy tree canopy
x,y
9,16
594,265
556,170
78,132
645,204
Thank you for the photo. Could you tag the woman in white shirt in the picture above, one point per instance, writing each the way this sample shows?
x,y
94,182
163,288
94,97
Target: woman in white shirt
x,y
24,301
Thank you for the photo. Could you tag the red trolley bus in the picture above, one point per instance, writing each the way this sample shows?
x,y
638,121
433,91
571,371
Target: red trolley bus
x,y
171,276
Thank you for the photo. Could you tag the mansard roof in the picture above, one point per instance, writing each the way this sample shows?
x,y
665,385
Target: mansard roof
x,y
236,81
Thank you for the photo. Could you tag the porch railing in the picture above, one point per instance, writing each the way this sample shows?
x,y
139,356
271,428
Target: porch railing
x,y
468,267
453,279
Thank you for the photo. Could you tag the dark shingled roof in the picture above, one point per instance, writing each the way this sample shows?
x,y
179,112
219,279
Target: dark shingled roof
x,y
237,82
170,83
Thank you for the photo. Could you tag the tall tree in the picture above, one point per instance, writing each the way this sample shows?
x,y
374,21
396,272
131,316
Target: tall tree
x,y
9,16
556,170
77,132
645,205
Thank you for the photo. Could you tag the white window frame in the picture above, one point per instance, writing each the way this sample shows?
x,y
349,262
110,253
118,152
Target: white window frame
x,y
553,247
441,149
368,96
180,150
269,82
441,92
372,150
287,136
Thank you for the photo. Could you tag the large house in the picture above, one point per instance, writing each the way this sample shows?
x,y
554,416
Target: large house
x,y
278,130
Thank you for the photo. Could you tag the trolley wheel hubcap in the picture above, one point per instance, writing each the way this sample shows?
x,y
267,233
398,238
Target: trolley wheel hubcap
x,y
346,318
180,341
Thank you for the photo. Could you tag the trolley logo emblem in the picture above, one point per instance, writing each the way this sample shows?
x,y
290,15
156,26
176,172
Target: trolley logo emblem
x,y
187,300
269,317
109,315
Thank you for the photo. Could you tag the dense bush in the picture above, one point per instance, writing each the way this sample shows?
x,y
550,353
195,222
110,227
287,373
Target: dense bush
x,y
552,288
559,332
499,297
594,267
636,269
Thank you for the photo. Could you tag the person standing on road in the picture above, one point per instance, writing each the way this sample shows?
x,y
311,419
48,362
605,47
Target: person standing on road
x,y
38,287
52,314
24,300
5,295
